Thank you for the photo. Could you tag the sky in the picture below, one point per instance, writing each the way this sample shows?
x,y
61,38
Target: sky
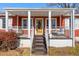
x,y
23,5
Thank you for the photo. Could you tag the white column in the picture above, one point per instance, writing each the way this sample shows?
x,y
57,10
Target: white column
x,y
73,29
29,21
49,19
17,24
6,18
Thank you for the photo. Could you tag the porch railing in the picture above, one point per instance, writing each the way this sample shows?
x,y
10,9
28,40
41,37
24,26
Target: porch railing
x,y
59,32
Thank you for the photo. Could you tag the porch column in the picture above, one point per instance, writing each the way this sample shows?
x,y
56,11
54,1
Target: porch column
x,y
17,24
72,34
29,21
6,18
49,19
73,28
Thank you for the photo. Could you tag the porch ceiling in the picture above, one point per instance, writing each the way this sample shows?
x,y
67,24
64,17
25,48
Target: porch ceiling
x,y
40,12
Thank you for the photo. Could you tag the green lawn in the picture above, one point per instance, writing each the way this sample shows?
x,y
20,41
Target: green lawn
x,y
66,51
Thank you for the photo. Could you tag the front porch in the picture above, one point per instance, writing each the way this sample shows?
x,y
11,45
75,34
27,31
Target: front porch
x,y
57,25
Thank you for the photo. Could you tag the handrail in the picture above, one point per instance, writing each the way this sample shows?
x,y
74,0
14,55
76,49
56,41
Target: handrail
x,y
46,36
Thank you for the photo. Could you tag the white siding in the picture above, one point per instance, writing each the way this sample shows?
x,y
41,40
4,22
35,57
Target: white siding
x,y
25,43
60,43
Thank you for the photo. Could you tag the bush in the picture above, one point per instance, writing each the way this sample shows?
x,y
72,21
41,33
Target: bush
x,y
8,40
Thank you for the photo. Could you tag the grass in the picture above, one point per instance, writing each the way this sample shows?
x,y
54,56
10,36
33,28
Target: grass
x,y
64,51
16,52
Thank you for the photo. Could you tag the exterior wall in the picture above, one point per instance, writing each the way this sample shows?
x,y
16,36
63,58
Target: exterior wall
x,y
14,23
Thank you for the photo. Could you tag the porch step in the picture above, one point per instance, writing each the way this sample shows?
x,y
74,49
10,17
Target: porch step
x,y
39,40
39,47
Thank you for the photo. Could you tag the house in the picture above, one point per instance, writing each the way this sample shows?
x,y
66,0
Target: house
x,y
58,26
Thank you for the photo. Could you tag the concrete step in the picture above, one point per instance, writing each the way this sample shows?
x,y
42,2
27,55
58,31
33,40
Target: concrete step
x,y
39,53
38,50
38,43
39,40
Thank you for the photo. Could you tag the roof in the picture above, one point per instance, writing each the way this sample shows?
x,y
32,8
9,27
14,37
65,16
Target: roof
x,y
39,8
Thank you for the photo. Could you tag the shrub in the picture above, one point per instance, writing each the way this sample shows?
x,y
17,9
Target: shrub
x,y
8,40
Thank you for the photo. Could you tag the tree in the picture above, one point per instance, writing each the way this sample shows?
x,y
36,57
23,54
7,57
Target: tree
x,y
64,5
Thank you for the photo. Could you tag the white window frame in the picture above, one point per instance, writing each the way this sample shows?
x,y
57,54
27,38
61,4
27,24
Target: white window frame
x,y
76,24
55,22
51,23
27,21
2,22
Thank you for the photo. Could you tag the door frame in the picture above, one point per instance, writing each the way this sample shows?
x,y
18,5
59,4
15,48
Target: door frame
x,y
42,24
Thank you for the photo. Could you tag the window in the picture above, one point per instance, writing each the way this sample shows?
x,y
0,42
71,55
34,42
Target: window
x,y
67,25
47,26
25,23
3,23
76,23
53,23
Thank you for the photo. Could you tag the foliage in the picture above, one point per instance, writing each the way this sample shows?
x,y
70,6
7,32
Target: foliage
x,y
64,5
8,40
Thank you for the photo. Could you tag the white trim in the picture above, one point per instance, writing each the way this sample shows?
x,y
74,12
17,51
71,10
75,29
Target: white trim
x,y
26,9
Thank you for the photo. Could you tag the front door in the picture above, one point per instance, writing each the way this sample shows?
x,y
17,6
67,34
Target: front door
x,y
39,25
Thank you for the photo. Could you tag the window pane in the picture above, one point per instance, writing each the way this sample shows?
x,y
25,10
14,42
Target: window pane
x,y
31,22
25,23
53,23
47,23
3,24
